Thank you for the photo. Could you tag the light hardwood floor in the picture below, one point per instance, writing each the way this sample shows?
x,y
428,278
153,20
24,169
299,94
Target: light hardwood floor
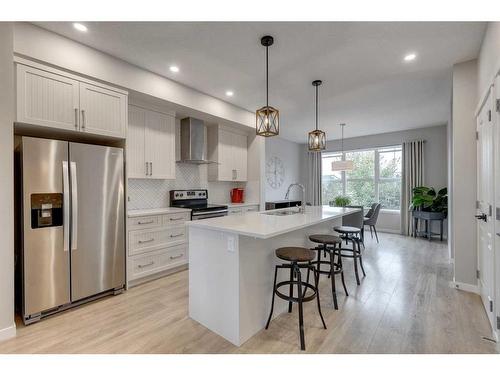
x,y
404,305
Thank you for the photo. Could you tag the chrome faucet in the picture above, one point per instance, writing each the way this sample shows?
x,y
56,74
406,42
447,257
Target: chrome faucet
x,y
302,210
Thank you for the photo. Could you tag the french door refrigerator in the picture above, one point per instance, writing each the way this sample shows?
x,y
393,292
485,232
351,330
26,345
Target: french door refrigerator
x,y
73,245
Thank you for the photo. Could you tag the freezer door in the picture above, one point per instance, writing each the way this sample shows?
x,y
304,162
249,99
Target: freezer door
x,y
46,275
98,219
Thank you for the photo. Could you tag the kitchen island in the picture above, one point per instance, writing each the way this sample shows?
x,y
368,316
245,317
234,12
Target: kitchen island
x,y
231,265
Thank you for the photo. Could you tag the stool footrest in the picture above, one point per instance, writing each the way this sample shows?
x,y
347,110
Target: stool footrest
x,y
337,268
295,299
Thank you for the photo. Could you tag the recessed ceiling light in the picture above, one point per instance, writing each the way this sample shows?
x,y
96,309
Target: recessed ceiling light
x,y
80,27
229,93
174,69
410,57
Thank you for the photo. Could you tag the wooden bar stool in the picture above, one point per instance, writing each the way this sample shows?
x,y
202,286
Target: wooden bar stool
x,y
298,257
328,244
351,234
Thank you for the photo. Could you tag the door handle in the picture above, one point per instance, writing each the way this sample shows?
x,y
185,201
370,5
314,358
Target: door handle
x,y
150,168
76,117
147,169
482,216
83,119
65,205
74,207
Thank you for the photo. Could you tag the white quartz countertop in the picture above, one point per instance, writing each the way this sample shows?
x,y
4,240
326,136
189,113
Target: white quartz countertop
x,y
260,225
156,211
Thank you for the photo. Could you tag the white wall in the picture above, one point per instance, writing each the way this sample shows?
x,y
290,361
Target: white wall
x,y
7,325
489,58
290,154
463,199
435,160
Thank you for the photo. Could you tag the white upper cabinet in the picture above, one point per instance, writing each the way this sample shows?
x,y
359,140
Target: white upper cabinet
x,y
60,100
46,99
103,111
150,144
160,145
229,149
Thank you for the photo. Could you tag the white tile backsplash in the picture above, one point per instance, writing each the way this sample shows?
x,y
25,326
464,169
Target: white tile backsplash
x,y
149,193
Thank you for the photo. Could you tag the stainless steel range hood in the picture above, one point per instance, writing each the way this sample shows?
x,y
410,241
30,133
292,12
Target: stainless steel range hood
x,y
193,142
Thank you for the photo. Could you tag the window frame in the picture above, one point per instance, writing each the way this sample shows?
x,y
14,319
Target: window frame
x,y
376,176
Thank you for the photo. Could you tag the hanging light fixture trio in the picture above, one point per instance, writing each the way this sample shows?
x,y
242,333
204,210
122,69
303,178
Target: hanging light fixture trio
x,y
267,118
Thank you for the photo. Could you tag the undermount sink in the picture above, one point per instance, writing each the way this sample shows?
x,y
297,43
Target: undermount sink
x,y
281,213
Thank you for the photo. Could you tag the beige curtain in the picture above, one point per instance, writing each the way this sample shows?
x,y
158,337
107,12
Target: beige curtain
x,y
413,176
314,178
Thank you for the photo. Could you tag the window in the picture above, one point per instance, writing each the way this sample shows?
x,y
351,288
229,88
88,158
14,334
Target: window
x,y
376,177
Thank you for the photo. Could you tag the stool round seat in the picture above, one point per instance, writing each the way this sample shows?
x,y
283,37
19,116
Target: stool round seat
x,y
347,230
295,254
327,239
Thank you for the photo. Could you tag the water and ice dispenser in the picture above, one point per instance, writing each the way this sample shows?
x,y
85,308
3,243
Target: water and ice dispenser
x,y
46,210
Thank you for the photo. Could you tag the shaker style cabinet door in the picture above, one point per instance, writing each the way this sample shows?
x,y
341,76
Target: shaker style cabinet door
x,y
136,138
102,111
226,162
160,145
46,99
240,156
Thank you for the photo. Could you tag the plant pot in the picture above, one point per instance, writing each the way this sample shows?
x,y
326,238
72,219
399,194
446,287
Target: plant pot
x,y
428,215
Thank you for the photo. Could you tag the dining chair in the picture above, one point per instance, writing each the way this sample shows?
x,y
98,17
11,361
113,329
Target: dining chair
x,y
371,219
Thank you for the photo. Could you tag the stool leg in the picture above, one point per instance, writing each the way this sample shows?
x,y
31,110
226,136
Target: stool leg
x,y
307,279
332,274
291,290
317,300
272,300
301,312
339,260
355,260
361,259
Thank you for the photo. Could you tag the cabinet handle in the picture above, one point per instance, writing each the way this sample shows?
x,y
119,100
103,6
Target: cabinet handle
x,y
76,117
146,265
176,256
147,169
83,119
145,222
150,168
176,235
176,219
146,241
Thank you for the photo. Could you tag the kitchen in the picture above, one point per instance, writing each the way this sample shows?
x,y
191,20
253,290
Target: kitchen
x,y
156,216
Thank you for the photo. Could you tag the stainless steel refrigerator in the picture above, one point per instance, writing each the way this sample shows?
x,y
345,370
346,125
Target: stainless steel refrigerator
x,y
72,224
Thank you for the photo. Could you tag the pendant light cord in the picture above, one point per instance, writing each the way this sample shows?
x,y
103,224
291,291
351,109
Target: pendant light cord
x,y
342,126
267,76
316,107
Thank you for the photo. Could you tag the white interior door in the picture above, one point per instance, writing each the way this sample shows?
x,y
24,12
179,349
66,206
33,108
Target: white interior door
x,y
485,198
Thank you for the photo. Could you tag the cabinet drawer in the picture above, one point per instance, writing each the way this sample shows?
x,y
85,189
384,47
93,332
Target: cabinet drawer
x,y
141,241
251,209
144,222
235,211
176,219
157,261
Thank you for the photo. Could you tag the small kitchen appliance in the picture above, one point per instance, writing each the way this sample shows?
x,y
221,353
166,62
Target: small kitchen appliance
x,y
237,195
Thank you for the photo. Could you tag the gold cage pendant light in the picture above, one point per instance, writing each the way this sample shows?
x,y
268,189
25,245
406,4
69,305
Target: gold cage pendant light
x,y
316,139
267,118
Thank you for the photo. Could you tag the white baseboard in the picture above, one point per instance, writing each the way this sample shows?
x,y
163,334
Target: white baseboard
x,y
465,287
8,333
385,230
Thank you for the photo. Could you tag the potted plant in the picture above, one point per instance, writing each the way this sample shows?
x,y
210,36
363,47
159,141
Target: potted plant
x,y
340,201
427,204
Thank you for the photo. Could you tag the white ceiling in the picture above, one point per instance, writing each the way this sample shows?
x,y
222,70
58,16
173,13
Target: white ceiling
x,y
366,84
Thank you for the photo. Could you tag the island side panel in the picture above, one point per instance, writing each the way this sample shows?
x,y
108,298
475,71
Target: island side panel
x,y
257,260
214,281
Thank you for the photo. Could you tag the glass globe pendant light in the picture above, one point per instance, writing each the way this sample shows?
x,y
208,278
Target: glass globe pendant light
x,y
317,138
267,118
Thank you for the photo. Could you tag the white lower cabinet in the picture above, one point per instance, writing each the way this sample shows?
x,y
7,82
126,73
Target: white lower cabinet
x,y
156,244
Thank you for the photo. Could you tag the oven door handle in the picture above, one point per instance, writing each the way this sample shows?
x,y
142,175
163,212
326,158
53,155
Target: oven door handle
x,y
209,212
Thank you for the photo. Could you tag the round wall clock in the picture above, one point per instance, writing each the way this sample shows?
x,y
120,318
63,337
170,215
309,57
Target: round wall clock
x,y
275,172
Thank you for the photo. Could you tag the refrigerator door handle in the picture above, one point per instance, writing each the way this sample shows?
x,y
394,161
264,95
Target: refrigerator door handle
x,y
74,207
65,205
